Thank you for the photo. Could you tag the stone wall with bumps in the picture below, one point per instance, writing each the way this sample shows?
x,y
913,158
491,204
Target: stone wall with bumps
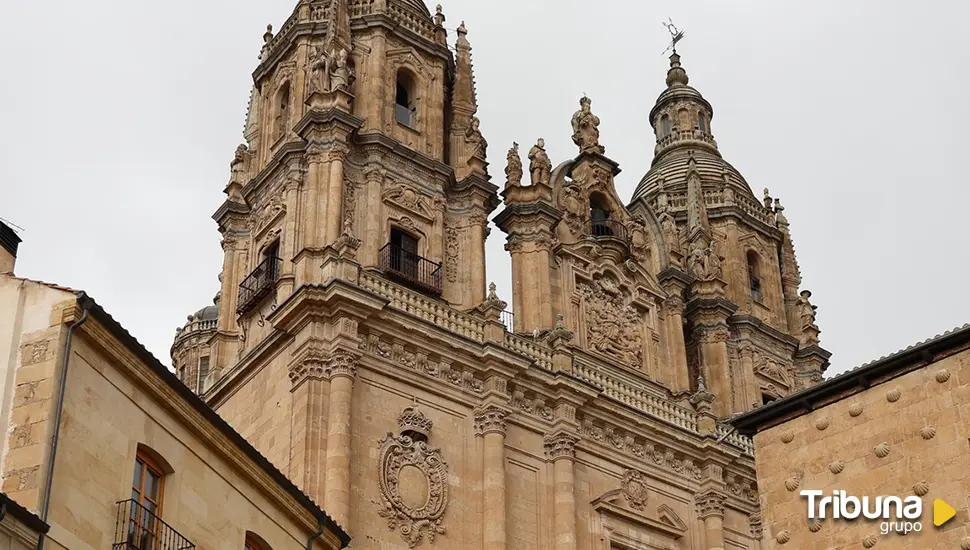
x,y
904,436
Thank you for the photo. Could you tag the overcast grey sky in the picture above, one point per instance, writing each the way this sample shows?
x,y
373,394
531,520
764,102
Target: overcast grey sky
x,y
119,120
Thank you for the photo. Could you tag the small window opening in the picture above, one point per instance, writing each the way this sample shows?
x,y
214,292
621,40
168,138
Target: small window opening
x,y
664,125
599,216
754,276
203,373
405,106
404,252
702,122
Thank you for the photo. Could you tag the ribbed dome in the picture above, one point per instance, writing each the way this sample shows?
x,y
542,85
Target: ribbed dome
x,y
208,313
672,169
415,5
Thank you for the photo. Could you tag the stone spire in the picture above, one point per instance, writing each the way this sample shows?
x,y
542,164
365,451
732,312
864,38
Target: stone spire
x,y
697,220
338,27
464,98
467,143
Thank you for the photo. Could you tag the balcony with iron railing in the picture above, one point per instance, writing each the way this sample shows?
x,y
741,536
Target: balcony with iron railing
x,y
606,229
258,284
410,269
138,528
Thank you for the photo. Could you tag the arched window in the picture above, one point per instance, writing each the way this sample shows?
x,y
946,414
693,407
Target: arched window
x,y
282,108
405,103
203,373
255,542
599,216
702,121
147,496
754,275
664,125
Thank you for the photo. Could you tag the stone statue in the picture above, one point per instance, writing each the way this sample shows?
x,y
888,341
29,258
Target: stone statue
x,y
671,233
439,17
586,133
513,170
319,70
340,77
539,164
712,261
806,311
473,137
703,262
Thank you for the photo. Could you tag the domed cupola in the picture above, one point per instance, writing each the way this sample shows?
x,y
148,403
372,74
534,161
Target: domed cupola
x,y
681,119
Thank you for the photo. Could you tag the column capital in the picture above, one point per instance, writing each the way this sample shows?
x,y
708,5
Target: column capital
x,y
561,445
311,364
711,333
490,419
709,503
342,363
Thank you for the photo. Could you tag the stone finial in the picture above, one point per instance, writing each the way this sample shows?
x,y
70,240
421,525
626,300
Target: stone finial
x,y
462,31
559,333
492,300
586,133
513,168
676,75
702,398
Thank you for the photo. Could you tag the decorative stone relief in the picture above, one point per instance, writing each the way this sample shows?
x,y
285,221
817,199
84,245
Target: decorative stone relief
x,y
741,488
350,207
533,405
413,481
451,251
704,262
560,445
634,486
836,467
754,522
772,370
855,409
410,199
613,327
815,525
870,541
574,205
927,433
822,424
942,376
893,395
637,229
709,503
782,537
921,488
490,419
266,215
881,450
434,367
794,481
638,448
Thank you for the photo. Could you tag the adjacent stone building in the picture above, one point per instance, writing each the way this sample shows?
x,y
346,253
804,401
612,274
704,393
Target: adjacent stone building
x,y
358,348
896,426
104,447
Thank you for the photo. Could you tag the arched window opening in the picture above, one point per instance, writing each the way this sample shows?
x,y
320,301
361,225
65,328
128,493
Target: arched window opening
x,y
599,216
405,104
754,275
147,496
282,109
664,126
203,373
702,121
255,542
404,253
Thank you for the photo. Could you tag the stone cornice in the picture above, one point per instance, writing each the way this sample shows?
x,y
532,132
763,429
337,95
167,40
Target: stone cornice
x,y
739,321
392,146
135,362
534,212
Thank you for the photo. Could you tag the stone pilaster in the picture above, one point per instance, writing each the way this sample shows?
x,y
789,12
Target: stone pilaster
x,y
752,392
490,425
674,283
342,370
307,373
710,509
335,192
561,449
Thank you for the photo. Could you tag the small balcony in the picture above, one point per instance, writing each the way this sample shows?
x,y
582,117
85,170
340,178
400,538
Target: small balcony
x,y
404,115
258,284
138,528
407,267
606,229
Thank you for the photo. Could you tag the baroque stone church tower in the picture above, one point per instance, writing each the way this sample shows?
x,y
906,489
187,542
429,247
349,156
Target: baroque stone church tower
x,y
355,344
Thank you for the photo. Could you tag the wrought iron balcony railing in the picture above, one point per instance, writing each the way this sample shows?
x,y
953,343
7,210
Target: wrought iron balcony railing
x,y
258,284
607,228
411,269
138,528
508,319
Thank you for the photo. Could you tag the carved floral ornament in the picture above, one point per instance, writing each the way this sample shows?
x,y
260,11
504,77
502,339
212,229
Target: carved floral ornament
x,y
408,198
709,503
413,481
490,419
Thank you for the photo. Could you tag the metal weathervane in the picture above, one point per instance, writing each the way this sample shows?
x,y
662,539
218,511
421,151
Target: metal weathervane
x,y
676,35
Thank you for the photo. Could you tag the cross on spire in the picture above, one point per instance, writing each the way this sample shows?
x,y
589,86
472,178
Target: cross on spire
x,y
676,35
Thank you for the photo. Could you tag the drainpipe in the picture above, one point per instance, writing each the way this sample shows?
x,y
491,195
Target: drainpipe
x,y
83,300
309,541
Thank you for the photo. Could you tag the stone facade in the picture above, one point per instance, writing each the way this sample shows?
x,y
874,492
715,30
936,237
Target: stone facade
x,y
897,426
354,294
124,414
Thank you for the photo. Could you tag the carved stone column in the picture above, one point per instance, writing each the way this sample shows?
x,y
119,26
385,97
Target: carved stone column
x,y
316,197
714,366
307,376
490,424
561,449
335,192
286,284
342,369
752,393
710,509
